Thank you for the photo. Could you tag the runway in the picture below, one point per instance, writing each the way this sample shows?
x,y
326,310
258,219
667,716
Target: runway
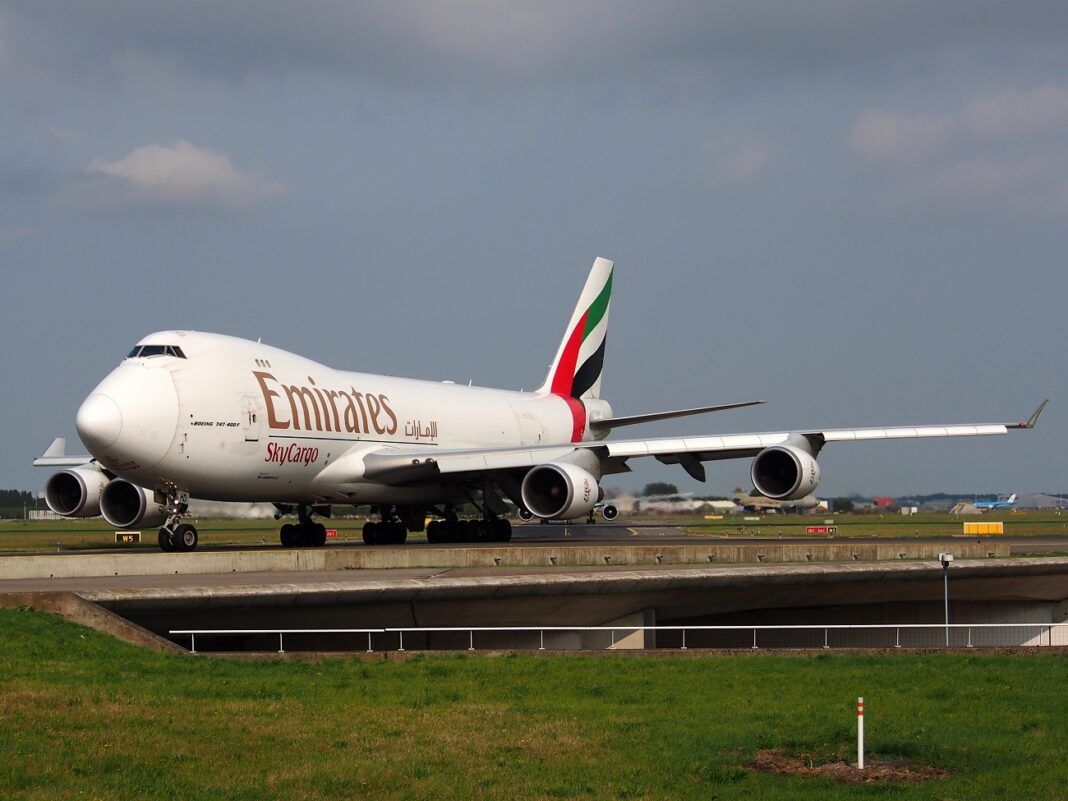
x,y
621,533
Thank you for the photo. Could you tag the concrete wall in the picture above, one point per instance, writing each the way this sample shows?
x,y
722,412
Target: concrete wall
x,y
1027,590
70,565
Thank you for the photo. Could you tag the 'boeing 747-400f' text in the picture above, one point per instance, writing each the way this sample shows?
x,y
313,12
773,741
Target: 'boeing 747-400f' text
x,y
208,416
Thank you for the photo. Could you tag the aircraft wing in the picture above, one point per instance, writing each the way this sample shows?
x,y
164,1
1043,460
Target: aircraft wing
x,y
400,465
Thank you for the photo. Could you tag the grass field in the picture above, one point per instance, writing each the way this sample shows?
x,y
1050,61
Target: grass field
x,y
46,535
84,716
927,524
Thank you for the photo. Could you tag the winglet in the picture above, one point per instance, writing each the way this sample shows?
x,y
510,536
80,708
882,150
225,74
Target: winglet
x,y
1032,421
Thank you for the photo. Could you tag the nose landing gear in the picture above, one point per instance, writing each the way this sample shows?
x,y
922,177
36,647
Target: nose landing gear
x,y
174,536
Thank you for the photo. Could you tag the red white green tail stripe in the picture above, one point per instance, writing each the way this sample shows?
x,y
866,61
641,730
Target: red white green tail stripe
x,y
576,371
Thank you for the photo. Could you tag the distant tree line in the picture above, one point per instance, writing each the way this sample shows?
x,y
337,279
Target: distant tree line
x,y
13,503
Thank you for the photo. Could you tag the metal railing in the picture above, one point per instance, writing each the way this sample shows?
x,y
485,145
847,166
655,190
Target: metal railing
x,y
917,635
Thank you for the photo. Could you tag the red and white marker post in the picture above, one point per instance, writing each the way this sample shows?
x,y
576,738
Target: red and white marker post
x,y
860,733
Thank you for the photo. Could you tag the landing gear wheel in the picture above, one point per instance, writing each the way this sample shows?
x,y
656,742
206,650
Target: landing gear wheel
x,y
318,535
370,533
436,532
288,536
166,542
384,533
185,538
501,531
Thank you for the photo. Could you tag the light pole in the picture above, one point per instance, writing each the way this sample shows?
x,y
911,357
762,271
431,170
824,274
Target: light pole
x,y
946,559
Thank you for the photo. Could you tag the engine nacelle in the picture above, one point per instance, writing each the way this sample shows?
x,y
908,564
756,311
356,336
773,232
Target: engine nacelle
x,y
560,491
785,473
609,511
76,492
126,505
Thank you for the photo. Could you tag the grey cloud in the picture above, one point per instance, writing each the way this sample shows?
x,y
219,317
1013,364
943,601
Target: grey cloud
x,y
737,162
1027,185
170,175
485,41
1002,150
884,136
1015,114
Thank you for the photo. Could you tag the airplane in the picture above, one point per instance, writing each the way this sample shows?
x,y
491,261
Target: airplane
x,y
1008,503
214,417
755,502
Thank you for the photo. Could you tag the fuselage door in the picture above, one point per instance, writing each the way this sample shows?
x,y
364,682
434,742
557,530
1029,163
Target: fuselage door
x,y
250,418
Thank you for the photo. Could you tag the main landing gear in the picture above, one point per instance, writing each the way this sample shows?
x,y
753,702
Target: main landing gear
x,y
388,532
175,536
305,533
492,529
398,521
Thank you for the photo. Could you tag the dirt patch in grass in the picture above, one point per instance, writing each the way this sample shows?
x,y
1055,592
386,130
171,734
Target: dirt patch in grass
x,y
875,770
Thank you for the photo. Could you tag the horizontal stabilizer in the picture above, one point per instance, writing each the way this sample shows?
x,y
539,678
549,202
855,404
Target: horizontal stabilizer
x,y
56,456
634,419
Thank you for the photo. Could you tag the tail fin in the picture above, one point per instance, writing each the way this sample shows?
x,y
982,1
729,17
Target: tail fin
x,y
576,371
1012,498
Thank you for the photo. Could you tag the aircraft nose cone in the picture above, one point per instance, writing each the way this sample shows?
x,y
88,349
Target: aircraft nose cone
x,y
99,422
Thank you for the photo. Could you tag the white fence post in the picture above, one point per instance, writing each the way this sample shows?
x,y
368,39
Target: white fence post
x,y
860,733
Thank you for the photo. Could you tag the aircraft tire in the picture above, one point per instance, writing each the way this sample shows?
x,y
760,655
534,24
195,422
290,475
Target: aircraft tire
x,y
318,537
370,533
468,531
288,535
502,531
398,534
433,532
165,540
185,538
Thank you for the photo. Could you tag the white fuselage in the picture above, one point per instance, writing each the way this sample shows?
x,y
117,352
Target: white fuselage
x,y
231,419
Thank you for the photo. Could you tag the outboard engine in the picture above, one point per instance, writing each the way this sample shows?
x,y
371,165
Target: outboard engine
x,y
785,473
76,492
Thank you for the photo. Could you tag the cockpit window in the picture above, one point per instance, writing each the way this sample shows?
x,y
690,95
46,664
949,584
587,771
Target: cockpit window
x,y
143,351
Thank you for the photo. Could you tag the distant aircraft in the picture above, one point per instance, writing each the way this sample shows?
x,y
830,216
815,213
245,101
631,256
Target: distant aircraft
x,y
1008,503
755,502
195,415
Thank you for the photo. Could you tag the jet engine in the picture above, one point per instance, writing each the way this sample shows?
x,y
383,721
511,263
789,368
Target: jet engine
x,y
126,505
785,473
76,492
610,511
560,491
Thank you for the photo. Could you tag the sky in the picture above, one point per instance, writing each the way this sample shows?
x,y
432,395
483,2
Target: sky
x,y
856,211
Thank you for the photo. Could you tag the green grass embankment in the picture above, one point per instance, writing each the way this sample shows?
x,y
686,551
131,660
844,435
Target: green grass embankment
x,y
84,716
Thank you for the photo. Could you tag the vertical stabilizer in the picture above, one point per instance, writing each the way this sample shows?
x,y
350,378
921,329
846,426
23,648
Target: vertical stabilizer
x,y
579,364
